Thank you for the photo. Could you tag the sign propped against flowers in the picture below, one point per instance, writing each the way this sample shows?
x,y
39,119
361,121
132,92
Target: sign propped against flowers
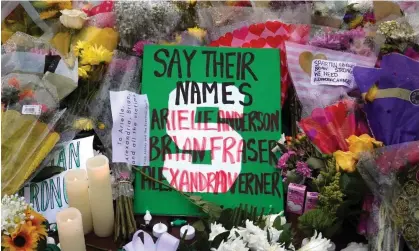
x,y
214,116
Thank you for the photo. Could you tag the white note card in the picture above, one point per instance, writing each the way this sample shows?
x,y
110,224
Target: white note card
x,y
131,128
337,73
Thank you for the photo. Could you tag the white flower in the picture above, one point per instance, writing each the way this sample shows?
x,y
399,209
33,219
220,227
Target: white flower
x,y
316,243
274,234
356,247
270,219
253,229
258,242
73,19
276,247
12,212
282,139
232,245
216,229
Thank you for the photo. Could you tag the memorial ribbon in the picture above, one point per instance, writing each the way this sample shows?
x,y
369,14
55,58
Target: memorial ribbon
x,y
166,242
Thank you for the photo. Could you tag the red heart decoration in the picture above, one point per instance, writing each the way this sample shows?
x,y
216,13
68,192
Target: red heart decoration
x,y
246,45
274,42
214,43
226,39
257,29
241,33
258,43
273,26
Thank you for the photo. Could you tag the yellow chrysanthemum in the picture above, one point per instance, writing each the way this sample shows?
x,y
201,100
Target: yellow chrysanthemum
x,y
48,14
95,55
197,32
82,73
65,5
80,45
83,124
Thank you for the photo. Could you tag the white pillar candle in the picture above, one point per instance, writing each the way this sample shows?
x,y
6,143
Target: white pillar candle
x,y
190,234
100,195
77,186
70,230
159,229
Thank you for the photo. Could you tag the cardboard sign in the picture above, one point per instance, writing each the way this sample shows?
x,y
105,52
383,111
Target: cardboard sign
x,y
49,197
214,116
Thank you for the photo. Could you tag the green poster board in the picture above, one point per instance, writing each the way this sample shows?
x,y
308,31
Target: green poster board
x,y
214,117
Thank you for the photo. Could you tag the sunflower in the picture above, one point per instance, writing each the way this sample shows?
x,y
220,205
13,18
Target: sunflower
x,y
25,239
36,220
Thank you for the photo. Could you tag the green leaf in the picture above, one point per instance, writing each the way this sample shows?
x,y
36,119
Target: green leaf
x,y
277,223
219,238
286,235
47,172
199,225
201,241
316,163
195,198
226,218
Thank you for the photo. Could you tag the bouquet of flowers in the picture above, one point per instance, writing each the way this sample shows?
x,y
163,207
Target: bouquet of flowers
x,y
297,159
23,229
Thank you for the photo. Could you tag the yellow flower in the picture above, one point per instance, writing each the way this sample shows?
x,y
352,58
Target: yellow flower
x,y
362,143
178,39
356,21
48,14
36,220
65,5
345,161
106,37
80,45
82,73
83,124
95,55
197,32
25,239
372,93
101,126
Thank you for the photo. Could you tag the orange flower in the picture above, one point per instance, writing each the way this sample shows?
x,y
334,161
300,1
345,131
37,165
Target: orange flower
x,y
14,83
36,220
25,239
27,93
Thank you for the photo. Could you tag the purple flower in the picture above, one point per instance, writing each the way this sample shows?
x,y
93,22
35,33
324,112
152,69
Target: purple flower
x,y
303,169
139,47
282,162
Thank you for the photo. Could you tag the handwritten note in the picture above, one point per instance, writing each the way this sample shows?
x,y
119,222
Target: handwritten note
x,y
337,73
49,197
130,131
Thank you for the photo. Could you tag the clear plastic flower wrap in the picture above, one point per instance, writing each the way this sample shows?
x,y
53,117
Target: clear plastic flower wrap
x,y
122,74
392,174
42,76
27,129
157,19
355,41
219,20
329,13
322,76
